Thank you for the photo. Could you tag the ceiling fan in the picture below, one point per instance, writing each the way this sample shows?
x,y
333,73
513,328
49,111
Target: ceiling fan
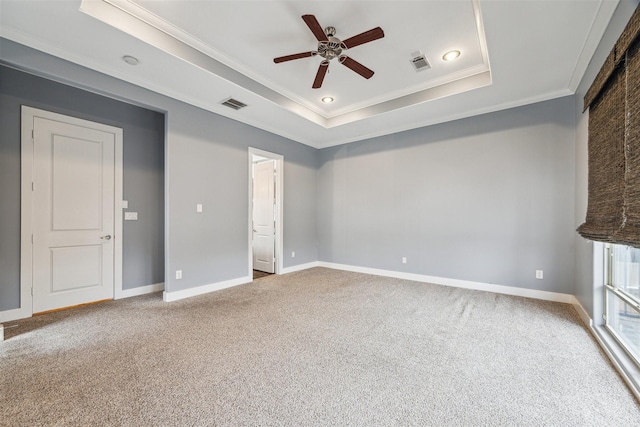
x,y
330,47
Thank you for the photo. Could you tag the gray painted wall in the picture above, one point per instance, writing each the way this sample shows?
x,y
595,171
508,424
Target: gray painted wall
x,y
206,161
143,174
208,164
487,199
584,286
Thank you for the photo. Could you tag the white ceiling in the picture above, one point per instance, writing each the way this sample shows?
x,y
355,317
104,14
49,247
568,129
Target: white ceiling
x,y
514,52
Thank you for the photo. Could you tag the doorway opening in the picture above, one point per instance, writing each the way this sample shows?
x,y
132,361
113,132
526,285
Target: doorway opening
x,y
265,213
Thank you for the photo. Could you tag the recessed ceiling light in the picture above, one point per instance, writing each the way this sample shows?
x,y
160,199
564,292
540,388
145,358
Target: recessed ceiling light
x,y
130,60
327,99
451,55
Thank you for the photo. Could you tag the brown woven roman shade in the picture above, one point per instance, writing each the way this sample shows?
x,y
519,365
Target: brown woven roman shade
x,y
613,212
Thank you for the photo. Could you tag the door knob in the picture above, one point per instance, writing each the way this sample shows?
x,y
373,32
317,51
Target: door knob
x,y
107,237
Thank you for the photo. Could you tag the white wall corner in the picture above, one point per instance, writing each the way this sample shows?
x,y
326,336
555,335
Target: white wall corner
x,y
1,332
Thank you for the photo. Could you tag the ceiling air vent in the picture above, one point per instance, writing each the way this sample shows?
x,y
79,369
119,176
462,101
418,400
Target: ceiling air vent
x,y
419,61
233,103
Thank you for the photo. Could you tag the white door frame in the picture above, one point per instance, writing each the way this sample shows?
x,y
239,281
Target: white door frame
x,y
279,210
26,206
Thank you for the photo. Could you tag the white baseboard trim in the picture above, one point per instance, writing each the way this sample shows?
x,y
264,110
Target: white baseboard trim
x,y
140,290
204,289
582,313
23,313
15,314
299,267
466,284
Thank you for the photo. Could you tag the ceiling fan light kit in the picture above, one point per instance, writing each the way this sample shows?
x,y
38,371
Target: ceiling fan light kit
x,y
330,47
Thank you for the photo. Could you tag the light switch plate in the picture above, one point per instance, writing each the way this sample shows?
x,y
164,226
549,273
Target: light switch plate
x,y
131,216
125,204
199,207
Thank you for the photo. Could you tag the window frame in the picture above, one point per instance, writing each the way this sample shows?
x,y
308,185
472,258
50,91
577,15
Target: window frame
x,y
611,291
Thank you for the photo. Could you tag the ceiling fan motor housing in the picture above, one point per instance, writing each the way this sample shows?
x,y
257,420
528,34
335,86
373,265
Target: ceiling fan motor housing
x,y
333,47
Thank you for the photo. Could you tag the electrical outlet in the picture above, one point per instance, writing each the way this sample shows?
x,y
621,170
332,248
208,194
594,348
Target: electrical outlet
x,y
293,254
404,259
539,274
178,274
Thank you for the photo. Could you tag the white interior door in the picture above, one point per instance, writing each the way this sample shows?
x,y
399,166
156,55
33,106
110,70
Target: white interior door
x,y
73,214
264,216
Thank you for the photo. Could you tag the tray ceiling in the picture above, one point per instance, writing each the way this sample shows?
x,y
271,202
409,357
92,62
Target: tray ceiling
x,y
202,53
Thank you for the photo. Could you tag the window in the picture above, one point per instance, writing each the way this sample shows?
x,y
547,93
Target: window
x,y
622,296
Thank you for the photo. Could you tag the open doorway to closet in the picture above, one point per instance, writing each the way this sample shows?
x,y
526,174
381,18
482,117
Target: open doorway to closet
x,y
265,212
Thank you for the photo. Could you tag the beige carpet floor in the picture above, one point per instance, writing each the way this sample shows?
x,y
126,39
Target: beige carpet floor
x,y
314,348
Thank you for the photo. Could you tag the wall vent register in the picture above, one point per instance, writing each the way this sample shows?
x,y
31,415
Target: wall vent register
x,y
233,103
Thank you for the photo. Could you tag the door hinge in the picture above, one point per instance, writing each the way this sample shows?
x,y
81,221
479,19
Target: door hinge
x,y
31,291
33,134
32,240
33,186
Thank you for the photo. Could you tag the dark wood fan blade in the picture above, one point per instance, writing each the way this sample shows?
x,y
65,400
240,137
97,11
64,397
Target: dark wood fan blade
x,y
362,38
315,27
322,70
356,66
294,56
